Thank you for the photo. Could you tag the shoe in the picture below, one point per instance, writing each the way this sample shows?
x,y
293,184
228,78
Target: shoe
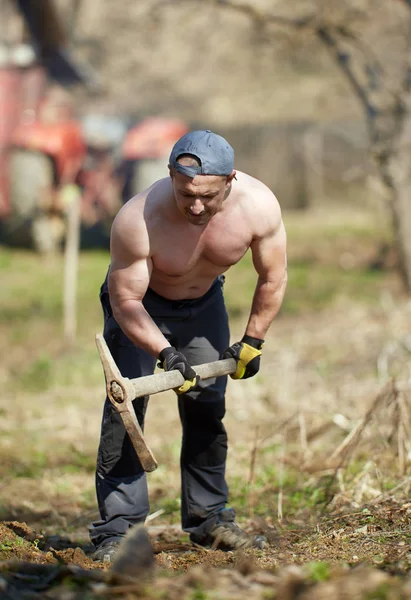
x,y
106,552
227,535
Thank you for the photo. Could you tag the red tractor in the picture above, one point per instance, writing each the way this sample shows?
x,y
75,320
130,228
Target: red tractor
x,y
122,159
41,148
46,149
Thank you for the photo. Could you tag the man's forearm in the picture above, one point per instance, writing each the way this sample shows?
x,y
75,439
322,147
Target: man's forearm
x,y
267,300
139,327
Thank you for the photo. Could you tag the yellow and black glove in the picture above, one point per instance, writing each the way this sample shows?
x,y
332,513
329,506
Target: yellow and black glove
x,y
247,354
170,359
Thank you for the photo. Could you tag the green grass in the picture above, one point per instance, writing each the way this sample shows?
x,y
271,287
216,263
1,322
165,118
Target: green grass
x,y
299,490
33,461
317,274
316,279
311,286
34,289
38,375
316,287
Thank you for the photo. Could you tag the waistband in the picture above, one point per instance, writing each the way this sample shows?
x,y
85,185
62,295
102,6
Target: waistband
x,y
216,285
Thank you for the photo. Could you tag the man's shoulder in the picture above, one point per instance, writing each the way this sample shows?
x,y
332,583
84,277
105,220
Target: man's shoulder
x,y
140,205
257,199
135,222
153,193
251,186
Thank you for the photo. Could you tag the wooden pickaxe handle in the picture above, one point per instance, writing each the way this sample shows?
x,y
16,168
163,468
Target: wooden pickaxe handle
x,y
121,391
169,380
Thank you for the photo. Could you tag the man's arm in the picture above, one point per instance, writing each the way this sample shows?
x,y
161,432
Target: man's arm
x,y
269,257
270,262
129,277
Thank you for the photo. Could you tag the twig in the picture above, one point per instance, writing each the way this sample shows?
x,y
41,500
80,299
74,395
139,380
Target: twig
x,y
303,435
346,448
281,427
85,515
154,515
251,476
381,435
405,421
387,494
401,443
388,393
281,482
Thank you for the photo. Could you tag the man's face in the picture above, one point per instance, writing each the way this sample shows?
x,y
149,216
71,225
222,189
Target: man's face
x,y
200,198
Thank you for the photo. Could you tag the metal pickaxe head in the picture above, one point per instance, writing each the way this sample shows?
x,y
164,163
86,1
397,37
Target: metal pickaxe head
x,y
120,392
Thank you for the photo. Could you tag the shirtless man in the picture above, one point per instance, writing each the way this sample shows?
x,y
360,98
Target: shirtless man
x,y
163,301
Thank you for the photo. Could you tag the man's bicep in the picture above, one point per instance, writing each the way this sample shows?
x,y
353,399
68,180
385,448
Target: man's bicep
x,y
129,281
270,254
131,266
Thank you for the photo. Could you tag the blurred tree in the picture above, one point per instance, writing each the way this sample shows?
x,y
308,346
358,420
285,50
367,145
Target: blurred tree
x,y
370,42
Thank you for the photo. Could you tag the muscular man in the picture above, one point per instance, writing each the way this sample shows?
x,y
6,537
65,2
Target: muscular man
x,y
163,300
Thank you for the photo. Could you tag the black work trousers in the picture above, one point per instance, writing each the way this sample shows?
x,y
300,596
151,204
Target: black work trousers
x,y
199,329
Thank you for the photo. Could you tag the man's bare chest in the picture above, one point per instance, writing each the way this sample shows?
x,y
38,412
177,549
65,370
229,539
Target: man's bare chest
x,y
180,253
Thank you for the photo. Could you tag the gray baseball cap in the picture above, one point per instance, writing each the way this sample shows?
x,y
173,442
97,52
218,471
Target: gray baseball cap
x,y
215,154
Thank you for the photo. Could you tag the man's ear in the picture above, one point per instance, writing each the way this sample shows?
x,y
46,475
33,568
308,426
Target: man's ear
x,y
170,171
231,177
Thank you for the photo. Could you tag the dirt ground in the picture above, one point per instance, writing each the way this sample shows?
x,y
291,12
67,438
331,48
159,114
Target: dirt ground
x,y
362,554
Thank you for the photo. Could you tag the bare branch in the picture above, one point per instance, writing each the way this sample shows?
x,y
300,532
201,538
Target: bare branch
x,y
343,59
373,63
384,107
255,14
264,17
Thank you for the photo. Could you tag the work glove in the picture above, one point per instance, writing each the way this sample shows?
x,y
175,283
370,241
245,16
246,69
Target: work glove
x,y
247,354
170,359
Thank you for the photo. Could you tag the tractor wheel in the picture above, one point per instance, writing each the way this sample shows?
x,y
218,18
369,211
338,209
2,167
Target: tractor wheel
x,y
30,223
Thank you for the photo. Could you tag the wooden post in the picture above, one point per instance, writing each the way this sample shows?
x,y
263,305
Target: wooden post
x,y
71,197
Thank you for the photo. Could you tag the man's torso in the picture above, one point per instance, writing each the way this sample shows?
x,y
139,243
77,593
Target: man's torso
x,y
186,259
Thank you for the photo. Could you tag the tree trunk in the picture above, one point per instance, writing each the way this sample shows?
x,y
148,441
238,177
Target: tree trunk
x,y
401,213
394,165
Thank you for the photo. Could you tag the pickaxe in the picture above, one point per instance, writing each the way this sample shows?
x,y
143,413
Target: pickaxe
x,y
121,391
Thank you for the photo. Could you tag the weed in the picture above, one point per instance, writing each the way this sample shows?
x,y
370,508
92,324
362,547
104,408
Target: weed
x,y
318,571
199,593
170,505
382,592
